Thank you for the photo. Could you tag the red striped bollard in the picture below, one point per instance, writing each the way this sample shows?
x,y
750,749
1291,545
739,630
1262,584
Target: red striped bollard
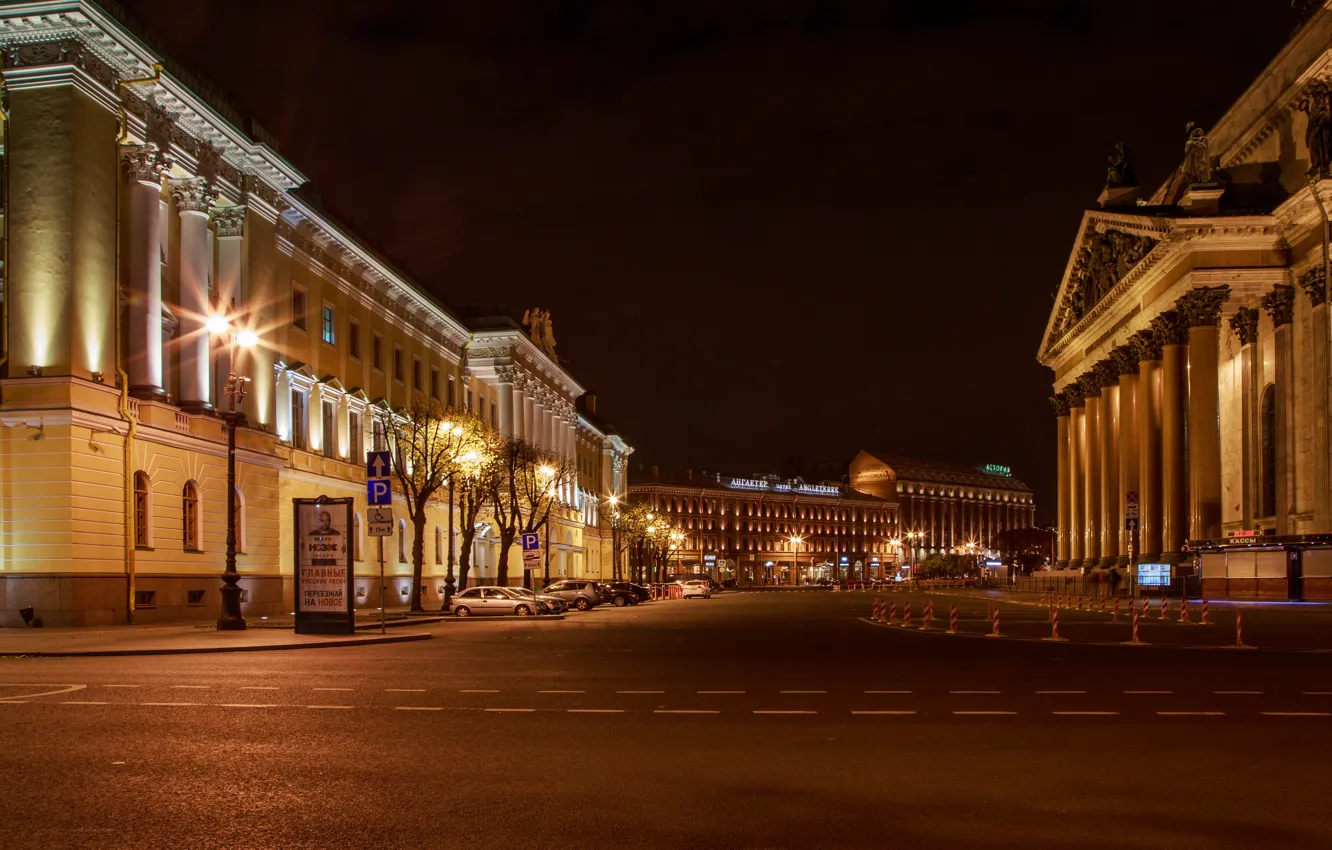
x,y
1239,630
892,614
1135,641
1054,629
1184,610
1102,601
1146,609
1165,607
995,620
906,616
1114,617
1079,601
1204,613
952,620
928,617
1043,602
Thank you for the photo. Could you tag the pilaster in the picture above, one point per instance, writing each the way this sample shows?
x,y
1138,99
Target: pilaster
x,y
1280,305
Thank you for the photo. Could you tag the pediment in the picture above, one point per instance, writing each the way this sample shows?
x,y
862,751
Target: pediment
x,y
1110,252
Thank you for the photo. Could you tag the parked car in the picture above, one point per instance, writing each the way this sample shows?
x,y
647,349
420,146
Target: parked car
x,y
579,593
554,603
620,594
480,601
695,588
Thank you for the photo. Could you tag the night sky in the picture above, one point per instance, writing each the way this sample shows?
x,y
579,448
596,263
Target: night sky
x,y
763,228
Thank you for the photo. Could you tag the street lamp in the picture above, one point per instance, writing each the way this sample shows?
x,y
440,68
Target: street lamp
x,y
448,429
615,536
796,540
230,619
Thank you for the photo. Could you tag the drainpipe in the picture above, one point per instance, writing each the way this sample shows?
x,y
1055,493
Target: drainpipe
x,y
4,209
1327,272
132,425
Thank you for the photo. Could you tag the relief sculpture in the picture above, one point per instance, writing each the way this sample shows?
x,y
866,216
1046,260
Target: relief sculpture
x,y
1102,261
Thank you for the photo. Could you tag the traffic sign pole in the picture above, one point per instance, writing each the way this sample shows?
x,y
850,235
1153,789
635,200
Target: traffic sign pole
x,y
383,625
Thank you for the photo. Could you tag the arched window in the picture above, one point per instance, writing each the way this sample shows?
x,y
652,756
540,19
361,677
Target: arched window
x,y
402,541
356,536
143,509
190,517
1267,414
239,520
439,545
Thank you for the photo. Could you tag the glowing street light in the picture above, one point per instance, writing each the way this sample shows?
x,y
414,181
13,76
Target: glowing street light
x,y
231,619
796,540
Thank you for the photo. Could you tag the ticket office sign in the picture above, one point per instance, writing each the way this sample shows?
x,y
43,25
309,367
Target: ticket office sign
x,y
323,585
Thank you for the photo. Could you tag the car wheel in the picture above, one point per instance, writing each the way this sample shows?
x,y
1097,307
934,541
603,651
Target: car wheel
x,y
582,604
522,611
619,601
462,611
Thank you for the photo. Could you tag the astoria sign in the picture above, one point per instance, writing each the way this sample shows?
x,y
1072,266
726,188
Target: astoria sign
x,y
783,487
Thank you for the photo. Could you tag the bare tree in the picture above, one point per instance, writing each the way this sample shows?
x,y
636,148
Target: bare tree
x,y
526,490
425,443
474,482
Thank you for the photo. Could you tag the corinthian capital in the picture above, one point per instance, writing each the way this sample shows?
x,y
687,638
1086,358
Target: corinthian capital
x,y
1146,345
144,163
1245,325
1280,304
1171,328
1201,307
1060,404
192,194
1312,284
230,220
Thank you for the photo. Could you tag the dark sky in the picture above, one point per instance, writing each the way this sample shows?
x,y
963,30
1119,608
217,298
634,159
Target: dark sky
x,y
763,228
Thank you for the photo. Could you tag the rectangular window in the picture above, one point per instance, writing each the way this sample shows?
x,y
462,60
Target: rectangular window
x,y
377,353
145,599
397,363
298,431
327,331
354,339
298,307
416,374
469,399
357,436
330,421
494,415
434,382
194,597
453,392
378,437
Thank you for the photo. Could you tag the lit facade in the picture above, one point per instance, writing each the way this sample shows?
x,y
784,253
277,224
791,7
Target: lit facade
x,y
137,206
1190,350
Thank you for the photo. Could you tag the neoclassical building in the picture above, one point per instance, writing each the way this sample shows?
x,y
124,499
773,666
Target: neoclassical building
x,y
138,206
1190,348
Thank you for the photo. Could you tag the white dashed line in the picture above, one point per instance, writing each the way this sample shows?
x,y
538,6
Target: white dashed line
x,y
975,692
758,711
561,692
170,703
1318,693
1298,713
595,710
1191,713
190,687
721,692
418,708
480,691
512,710
246,705
8,701
685,711
1061,692
330,706
404,690
259,688
332,689
78,702
985,712
640,692
1148,692
1085,713
1239,693
803,692
883,712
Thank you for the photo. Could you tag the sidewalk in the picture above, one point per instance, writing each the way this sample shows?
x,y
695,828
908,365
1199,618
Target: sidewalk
x,y
177,640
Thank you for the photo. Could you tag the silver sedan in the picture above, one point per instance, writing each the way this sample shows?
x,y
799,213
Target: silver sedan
x,y
479,601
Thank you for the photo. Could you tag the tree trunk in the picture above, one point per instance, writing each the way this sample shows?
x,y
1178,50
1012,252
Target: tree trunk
x,y
502,570
466,534
418,557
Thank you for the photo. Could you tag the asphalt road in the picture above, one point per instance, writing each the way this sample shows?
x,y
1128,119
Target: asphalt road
x,y
757,720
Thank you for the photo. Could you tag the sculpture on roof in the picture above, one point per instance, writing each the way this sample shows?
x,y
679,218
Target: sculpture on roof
x,y
541,331
1120,173
1197,166
1316,103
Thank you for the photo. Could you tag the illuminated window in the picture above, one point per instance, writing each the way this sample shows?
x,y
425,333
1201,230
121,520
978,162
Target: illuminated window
x,y
453,392
402,541
298,308
298,421
190,516
143,509
327,327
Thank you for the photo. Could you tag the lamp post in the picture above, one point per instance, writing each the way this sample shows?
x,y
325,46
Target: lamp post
x,y
449,584
615,537
796,540
231,619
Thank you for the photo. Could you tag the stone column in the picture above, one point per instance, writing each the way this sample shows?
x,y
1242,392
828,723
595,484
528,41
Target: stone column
x,y
1112,508
1076,520
1125,364
1312,284
193,197
539,429
504,379
1201,308
1091,458
1060,404
1147,348
230,228
1280,305
1174,353
529,413
144,165
1245,325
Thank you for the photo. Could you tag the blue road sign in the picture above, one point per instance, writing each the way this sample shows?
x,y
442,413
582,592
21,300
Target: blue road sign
x,y
1131,524
378,465
531,541
378,493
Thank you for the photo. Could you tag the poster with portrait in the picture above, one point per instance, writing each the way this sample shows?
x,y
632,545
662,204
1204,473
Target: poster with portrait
x,y
323,566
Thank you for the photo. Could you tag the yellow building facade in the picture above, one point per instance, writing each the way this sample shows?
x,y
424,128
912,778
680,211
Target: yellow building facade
x,y
137,207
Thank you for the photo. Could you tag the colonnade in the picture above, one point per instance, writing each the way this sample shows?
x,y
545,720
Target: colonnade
x,y
1122,446
949,522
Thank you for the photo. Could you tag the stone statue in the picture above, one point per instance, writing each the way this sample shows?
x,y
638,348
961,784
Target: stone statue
x,y
1197,166
541,330
1316,103
1120,173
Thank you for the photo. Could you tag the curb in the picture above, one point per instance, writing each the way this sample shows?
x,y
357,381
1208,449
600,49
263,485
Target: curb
x,y
502,618
212,650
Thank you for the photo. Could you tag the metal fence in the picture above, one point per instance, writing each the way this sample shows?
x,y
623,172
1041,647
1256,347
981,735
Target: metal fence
x,y
1093,585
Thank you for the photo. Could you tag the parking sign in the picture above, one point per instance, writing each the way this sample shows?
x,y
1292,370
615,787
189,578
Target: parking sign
x,y
531,551
378,493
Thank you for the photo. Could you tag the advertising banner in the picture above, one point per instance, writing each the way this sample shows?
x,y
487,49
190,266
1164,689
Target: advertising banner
x,y
323,566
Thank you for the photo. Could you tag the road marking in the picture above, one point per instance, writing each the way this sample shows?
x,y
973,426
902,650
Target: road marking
x,y
883,712
561,692
1061,692
985,712
975,692
1086,713
595,710
640,692
60,689
78,702
512,710
121,686
170,703
332,689
721,692
418,708
685,711
330,706
246,705
190,687
802,692
260,688
13,702
1239,693
1149,692
887,692
1318,693
758,711
480,691
404,690
1191,713
1298,713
